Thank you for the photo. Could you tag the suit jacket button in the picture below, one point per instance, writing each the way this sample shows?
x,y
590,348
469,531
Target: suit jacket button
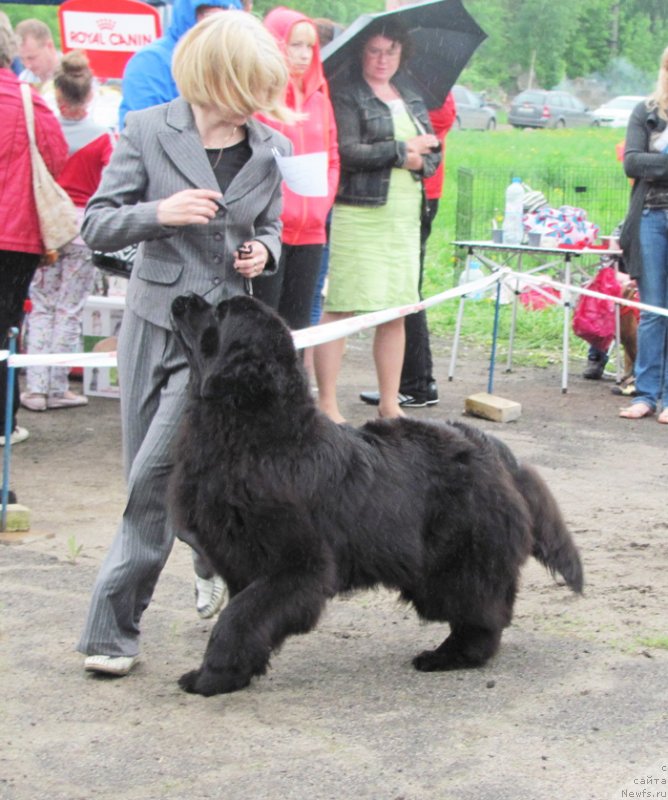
x,y
218,236
217,259
216,281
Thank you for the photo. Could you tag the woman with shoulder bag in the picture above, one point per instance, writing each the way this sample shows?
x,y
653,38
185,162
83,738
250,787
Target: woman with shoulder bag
x,y
21,245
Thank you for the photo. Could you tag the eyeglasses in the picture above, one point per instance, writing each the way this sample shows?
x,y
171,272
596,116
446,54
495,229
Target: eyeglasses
x,y
378,53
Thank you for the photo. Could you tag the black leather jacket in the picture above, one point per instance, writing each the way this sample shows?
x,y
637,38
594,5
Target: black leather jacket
x,y
367,145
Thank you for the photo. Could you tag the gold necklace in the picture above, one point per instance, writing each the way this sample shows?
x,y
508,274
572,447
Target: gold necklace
x,y
222,147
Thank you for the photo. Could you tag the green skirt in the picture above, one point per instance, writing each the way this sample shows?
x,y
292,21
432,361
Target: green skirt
x,y
374,253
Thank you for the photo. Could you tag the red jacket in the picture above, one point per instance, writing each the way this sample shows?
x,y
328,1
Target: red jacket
x,y
82,172
442,119
304,217
19,230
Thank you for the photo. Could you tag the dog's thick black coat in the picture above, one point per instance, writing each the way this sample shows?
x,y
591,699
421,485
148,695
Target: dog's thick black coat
x,y
292,508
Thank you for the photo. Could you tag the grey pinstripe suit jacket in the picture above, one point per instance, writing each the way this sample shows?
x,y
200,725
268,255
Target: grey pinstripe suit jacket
x,y
159,153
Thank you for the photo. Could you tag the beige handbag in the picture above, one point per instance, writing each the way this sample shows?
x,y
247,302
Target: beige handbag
x,y
57,214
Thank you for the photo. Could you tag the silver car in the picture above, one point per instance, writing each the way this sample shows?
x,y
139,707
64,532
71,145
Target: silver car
x,y
616,112
537,108
472,113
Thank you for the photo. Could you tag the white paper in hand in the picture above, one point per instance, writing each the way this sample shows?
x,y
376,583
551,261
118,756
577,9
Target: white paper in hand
x,y
306,174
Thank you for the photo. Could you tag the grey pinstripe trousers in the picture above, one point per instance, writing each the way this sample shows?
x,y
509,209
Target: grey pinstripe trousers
x,y
153,377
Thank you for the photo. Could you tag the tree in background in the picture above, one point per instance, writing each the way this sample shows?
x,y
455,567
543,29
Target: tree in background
x,y
47,14
546,41
343,11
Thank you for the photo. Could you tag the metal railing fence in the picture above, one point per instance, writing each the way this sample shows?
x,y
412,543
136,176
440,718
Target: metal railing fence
x,y
602,192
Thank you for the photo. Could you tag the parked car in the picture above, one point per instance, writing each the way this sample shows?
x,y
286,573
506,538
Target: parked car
x,y
537,108
472,113
616,112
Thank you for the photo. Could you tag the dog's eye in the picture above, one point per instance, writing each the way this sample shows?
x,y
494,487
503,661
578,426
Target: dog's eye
x,y
209,341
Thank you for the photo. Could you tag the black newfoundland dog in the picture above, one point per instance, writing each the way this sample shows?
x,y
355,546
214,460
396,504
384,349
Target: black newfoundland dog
x,y
292,508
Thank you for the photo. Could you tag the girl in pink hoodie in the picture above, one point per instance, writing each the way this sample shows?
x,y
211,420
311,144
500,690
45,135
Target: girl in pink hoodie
x,y
292,288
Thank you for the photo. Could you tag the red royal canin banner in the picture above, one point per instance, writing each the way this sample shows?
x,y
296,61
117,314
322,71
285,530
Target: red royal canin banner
x,y
110,31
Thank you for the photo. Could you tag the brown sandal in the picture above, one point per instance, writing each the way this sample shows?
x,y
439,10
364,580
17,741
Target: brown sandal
x,y
637,411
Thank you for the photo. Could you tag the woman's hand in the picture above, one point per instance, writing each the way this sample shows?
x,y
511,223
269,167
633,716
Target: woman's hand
x,y
417,147
189,207
251,259
423,144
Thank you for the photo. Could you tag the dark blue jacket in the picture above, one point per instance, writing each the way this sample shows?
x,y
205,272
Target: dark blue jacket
x,y
367,146
147,79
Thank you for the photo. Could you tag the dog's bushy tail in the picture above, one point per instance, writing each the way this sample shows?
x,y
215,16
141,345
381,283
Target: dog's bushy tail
x,y
553,544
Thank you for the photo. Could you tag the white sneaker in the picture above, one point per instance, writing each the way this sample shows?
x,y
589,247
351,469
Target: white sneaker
x,y
19,434
110,665
209,595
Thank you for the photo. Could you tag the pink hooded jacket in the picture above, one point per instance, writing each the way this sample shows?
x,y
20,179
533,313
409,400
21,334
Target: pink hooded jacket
x,y
304,217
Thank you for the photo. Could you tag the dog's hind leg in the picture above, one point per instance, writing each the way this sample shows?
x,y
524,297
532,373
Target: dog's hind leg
x,y
254,623
467,646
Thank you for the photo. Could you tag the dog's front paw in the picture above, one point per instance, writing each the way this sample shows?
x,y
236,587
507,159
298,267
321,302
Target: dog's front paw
x,y
188,681
209,682
425,662
438,661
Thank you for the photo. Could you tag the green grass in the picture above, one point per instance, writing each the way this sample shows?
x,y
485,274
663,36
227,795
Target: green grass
x,y
658,642
521,152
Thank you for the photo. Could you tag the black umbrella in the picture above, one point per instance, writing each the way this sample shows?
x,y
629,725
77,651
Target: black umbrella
x,y
444,37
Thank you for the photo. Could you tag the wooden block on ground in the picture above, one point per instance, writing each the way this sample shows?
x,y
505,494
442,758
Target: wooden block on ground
x,y
489,406
18,518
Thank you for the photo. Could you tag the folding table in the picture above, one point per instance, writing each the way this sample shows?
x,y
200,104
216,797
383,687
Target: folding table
x,y
495,256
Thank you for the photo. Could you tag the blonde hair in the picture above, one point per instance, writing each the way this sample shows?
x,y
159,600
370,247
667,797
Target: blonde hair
x,y
7,47
659,97
304,28
230,61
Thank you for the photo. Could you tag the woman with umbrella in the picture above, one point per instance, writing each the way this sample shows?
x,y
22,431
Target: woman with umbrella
x,y
386,146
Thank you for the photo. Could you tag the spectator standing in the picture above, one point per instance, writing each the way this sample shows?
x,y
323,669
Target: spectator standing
x,y
596,362
59,290
291,290
375,233
644,241
418,388
16,65
21,246
147,78
193,181
38,53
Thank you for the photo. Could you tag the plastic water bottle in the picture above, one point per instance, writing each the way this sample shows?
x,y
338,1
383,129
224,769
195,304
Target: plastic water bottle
x,y
472,272
513,229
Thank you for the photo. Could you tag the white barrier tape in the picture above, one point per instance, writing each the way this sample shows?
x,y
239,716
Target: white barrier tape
x,y
59,359
303,338
537,280
319,334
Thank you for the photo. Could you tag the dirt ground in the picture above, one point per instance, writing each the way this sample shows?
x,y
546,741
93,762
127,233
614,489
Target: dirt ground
x,y
574,705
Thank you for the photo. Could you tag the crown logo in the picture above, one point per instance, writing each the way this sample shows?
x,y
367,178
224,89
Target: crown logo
x,y
105,24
